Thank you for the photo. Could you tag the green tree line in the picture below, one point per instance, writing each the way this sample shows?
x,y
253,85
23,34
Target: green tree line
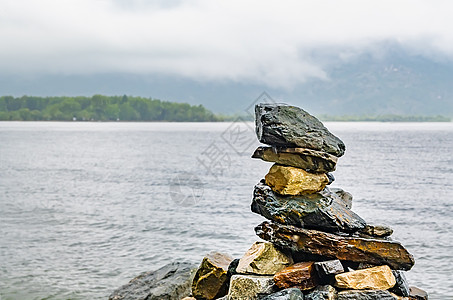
x,y
100,108
129,108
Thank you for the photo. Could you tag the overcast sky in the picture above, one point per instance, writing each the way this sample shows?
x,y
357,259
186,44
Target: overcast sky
x,y
277,43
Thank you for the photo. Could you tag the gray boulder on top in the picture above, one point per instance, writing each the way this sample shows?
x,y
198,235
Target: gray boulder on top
x,y
289,126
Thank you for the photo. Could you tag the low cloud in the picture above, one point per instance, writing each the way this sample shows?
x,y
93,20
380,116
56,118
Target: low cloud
x,y
277,43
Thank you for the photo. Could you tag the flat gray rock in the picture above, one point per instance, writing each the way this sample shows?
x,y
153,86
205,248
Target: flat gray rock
x,y
307,159
172,281
289,126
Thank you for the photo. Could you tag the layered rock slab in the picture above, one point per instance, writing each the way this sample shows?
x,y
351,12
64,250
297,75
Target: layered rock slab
x,y
307,159
323,210
289,126
263,259
211,279
377,278
343,247
294,181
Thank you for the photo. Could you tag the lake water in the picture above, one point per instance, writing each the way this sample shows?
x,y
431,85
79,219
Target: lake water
x,y
85,207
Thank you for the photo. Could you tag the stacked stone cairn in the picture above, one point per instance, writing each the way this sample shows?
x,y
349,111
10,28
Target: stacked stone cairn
x,y
316,246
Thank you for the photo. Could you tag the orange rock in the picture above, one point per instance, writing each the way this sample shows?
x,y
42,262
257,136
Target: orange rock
x,y
301,275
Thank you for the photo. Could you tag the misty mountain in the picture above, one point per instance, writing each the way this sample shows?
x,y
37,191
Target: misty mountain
x,y
395,82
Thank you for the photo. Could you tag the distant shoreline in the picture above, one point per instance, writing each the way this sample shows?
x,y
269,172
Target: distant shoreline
x,y
220,121
385,118
100,108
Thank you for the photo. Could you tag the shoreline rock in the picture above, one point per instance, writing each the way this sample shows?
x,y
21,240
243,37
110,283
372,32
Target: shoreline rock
x,y
172,281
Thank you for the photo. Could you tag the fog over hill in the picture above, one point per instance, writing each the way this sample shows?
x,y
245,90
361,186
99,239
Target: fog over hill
x,y
330,57
387,80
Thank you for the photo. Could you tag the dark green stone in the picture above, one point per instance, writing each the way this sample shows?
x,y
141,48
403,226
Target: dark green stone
x,y
323,210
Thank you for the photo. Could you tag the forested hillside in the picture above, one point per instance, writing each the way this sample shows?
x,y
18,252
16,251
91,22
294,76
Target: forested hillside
x,y
100,108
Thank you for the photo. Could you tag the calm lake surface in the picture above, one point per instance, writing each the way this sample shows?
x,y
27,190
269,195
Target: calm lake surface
x,y
85,207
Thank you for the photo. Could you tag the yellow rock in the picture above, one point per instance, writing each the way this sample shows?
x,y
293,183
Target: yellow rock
x,y
377,278
263,259
211,279
294,181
